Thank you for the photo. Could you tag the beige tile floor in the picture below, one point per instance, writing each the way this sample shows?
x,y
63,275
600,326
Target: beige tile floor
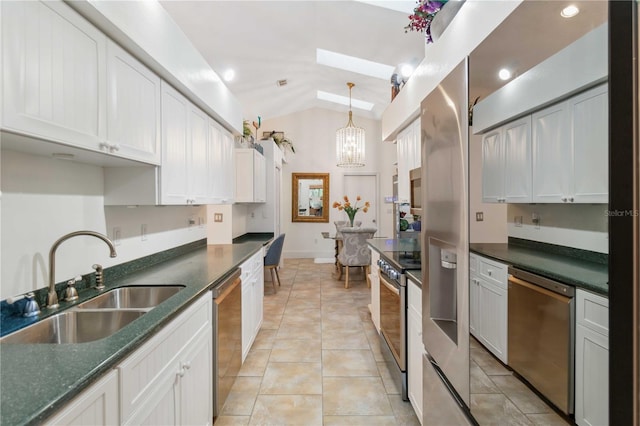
x,y
316,360
500,398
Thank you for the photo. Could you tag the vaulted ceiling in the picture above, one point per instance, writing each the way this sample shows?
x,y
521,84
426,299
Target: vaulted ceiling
x,y
267,41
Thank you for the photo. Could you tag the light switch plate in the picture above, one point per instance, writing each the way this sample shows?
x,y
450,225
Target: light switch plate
x,y
217,217
479,216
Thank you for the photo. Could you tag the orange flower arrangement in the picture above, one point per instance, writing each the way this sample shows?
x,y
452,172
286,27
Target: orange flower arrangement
x,y
351,210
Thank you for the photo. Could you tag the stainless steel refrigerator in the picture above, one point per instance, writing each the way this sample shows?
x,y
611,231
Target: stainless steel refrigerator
x,y
445,251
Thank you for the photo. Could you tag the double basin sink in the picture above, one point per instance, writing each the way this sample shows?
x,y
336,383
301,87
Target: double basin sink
x,y
95,318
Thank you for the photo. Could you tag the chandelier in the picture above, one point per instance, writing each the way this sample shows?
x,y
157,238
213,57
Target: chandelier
x,y
350,141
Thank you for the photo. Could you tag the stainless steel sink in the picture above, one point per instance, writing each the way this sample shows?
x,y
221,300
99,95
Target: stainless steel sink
x,y
135,297
74,327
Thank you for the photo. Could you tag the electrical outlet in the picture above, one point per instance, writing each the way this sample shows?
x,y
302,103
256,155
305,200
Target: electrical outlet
x,y
479,216
116,236
517,220
535,218
191,221
143,232
217,217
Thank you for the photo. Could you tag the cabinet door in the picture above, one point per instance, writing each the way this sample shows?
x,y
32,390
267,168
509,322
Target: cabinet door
x,y
174,181
259,178
589,113
493,319
592,378
196,383
414,361
54,79
98,405
247,316
374,277
198,169
517,161
258,301
402,148
161,408
244,175
133,107
227,161
492,167
474,307
551,154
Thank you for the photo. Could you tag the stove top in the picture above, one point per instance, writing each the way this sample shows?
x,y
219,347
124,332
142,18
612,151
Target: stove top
x,y
403,260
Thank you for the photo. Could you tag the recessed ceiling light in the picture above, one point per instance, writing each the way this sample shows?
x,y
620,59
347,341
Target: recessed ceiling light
x,y
570,11
229,75
406,70
504,74
354,64
344,100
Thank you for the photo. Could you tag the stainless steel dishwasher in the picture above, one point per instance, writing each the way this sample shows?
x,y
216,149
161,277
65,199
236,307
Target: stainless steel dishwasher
x,y
227,337
541,335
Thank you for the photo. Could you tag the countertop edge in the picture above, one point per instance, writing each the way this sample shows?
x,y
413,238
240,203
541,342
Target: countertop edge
x,y
566,279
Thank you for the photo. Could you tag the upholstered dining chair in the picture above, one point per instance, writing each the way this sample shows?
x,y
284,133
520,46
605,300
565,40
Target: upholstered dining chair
x,y
355,251
272,259
343,224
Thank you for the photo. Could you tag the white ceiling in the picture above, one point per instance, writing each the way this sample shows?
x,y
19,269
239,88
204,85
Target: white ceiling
x,y
267,41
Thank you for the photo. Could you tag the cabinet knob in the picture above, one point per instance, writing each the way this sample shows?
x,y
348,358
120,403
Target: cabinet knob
x,y
571,199
564,199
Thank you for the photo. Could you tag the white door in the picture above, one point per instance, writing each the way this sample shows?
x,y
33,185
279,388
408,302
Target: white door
x,y
366,186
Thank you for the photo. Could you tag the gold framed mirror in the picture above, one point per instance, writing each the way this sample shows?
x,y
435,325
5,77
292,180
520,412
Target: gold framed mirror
x,y
310,197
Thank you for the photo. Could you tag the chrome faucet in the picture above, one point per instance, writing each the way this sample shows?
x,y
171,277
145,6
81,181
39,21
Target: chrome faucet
x,y
52,296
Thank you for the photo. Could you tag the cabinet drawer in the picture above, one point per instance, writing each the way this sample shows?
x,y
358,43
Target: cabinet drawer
x,y
414,297
493,272
157,358
592,311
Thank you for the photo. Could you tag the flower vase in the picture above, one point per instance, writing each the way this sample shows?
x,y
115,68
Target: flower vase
x,y
352,216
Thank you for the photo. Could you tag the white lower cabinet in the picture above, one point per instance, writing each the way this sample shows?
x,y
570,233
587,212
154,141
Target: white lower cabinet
x,y
414,347
488,298
592,359
98,405
252,300
175,365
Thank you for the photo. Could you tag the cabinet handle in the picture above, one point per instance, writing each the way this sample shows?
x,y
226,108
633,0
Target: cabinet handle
x,y
104,146
181,372
114,147
186,365
489,271
571,199
564,199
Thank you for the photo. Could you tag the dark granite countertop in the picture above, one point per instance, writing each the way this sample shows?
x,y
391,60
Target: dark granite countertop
x,y
39,379
415,275
586,270
261,237
390,245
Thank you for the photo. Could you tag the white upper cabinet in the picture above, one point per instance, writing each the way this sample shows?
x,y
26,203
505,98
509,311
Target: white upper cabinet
x,y
53,80
176,152
506,163
251,184
551,164
133,107
221,171
409,157
188,152
570,145
589,118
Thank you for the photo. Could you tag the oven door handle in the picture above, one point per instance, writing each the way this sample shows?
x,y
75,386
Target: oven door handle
x,y
390,287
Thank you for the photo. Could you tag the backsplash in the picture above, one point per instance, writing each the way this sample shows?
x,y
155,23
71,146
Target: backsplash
x,y
582,226
44,198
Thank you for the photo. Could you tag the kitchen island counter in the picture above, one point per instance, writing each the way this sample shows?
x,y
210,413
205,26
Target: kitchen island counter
x,y
39,379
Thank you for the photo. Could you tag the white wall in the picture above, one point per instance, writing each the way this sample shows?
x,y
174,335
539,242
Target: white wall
x,y
44,198
313,134
493,229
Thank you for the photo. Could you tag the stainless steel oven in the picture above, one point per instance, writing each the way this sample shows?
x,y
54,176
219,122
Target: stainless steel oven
x,y
393,322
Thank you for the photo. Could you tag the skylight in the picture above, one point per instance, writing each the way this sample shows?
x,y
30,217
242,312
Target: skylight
x,y
351,63
344,100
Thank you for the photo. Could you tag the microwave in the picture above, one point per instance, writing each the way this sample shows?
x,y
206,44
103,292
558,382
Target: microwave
x,y
415,179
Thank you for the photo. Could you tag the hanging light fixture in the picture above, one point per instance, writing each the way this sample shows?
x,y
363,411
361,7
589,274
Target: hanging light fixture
x,y
350,141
